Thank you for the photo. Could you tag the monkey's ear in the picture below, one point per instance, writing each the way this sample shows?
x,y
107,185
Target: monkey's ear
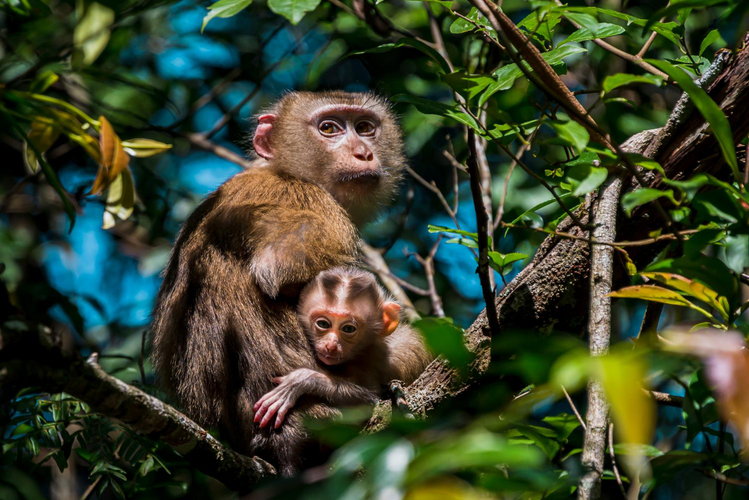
x,y
261,141
390,317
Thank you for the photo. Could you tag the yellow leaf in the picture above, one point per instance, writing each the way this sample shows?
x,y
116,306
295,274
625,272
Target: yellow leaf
x,y
42,135
656,294
693,289
143,148
120,199
114,160
633,413
91,35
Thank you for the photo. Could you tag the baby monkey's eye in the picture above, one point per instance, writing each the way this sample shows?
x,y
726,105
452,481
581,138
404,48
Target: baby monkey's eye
x,y
329,128
348,329
323,324
365,128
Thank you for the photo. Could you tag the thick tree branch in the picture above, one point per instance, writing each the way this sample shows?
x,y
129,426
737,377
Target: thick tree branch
x,y
552,291
599,333
30,355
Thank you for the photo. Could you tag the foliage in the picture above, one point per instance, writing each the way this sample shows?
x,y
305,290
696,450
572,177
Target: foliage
x,y
116,118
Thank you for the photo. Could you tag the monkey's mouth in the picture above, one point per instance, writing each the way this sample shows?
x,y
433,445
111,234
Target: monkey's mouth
x,y
360,177
328,360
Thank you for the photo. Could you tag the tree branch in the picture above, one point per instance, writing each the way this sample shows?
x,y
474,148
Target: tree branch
x,y
30,355
599,330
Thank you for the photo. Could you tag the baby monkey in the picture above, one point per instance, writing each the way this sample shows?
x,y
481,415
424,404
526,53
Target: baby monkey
x,y
353,326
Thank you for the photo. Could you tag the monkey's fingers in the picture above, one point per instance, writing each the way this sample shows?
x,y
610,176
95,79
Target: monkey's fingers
x,y
272,409
282,413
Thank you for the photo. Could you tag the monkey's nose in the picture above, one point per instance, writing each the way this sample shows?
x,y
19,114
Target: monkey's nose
x,y
363,154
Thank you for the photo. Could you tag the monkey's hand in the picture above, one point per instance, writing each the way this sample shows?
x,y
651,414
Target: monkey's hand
x,y
283,398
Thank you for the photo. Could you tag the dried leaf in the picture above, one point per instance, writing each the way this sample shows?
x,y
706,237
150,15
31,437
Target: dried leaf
x,y
120,199
114,160
693,289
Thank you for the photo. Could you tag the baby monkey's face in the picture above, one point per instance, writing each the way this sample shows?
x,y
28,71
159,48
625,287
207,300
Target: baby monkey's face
x,y
336,335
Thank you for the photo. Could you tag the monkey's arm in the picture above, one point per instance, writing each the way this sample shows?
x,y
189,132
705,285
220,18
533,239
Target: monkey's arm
x,y
407,355
333,390
293,246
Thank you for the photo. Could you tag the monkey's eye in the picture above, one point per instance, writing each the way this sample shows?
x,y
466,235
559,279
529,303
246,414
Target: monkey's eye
x,y
329,128
348,329
323,324
365,128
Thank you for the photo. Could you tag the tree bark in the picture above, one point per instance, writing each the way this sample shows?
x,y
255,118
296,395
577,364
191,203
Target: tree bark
x,y
552,291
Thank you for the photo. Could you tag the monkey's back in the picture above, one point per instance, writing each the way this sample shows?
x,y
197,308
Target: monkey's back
x,y
212,324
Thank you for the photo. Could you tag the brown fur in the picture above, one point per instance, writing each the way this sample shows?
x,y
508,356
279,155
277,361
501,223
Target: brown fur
x,y
366,360
375,359
225,323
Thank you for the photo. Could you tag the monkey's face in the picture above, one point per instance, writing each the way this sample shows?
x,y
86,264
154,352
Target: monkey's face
x,y
348,144
337,336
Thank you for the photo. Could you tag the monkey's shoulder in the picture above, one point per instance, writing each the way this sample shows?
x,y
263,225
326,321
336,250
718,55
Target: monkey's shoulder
x,y
260,186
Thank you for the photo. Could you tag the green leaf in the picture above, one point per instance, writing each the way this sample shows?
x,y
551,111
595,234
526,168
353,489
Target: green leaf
x,y
709,39
49,172
413,43
293,10
672,463
224,8
439,108
656,294
605,30
92,32
43,81
677,5
442,229
710,111
460,25
42,135
144,148
612,82
645,195
502,263
541,205
564,424
507,74
571,133
643,450
445,3
469,86
664,29
446,339
542,437
541,24
585,178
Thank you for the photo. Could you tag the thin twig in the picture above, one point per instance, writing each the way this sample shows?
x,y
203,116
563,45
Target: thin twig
x,y
574,408
619,52
378,265
613,461
202,142
428,264
270,69
482,221
616,244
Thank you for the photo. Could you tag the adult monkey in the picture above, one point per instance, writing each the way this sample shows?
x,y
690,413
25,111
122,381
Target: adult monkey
x,y
225,323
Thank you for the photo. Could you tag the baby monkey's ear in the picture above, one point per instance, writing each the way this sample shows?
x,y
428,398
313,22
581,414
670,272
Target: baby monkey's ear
x,y
390,317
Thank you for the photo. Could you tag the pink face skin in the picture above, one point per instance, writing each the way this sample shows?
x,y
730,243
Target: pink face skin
x,y
335,334
348,133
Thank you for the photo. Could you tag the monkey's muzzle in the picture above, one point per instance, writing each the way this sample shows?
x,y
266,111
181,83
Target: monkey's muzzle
x,y
361,177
